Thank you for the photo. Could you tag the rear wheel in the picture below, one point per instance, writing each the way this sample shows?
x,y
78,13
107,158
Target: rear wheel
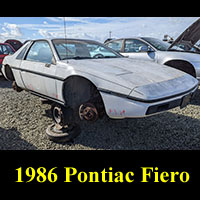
x,y
9,73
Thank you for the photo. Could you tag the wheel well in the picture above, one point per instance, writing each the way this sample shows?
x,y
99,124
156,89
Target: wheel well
x,y
9,73
182,65
78,90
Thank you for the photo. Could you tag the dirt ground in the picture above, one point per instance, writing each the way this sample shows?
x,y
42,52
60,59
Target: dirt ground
x,y
24,119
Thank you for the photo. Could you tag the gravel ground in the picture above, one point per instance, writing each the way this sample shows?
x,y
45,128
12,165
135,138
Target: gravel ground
x,y
24,119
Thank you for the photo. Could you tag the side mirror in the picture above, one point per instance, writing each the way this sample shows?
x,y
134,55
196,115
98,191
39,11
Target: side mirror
x,y
53,61
150,49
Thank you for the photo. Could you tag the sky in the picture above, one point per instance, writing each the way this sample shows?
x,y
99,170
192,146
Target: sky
x,y
95,28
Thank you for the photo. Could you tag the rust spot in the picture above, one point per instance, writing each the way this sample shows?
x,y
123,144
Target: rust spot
x,y
88,112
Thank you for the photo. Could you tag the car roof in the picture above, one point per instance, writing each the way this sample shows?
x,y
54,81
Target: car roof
x,y
4,43
126,38
12,40
8,45
50,39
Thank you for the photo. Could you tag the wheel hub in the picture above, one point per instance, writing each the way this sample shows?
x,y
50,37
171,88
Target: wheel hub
x,y
88,112
61,115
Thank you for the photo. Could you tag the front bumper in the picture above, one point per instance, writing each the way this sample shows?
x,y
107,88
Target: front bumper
x,y
118,107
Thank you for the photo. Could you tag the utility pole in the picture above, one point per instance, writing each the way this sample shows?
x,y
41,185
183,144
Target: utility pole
x,y
110,32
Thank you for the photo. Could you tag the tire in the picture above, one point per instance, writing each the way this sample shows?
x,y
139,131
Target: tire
x,y
64,128
98,56
8,73
63,135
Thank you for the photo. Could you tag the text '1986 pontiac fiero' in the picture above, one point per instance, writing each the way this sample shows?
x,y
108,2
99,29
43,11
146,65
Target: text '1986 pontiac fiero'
x,y
85,79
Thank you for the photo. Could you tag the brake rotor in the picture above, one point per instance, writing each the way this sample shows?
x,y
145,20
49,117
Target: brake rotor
x,y
88,112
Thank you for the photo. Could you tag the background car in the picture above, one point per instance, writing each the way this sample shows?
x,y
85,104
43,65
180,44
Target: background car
x,y
155,50
16,44
179,54
194,48
5,49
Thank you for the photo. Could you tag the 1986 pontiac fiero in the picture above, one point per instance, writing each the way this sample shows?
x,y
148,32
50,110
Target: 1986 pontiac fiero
x,y
86,79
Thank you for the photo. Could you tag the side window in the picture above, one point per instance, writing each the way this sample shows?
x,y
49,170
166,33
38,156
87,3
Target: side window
x,y
5,50
96,51
9,49
40,51
1,50
115,45
134,46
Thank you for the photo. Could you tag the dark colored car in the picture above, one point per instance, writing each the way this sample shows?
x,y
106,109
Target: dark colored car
x,y
5,49
16,44
26,42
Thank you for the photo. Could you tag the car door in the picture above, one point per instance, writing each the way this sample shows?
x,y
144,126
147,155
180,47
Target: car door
x,y
134,48
37,69
116,45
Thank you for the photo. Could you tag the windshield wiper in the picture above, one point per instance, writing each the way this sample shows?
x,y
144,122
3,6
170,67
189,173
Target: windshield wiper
x,y
106,57
77,58
81,57
175,50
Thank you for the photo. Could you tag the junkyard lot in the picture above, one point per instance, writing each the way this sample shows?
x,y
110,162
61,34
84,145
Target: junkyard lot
x,y
24,119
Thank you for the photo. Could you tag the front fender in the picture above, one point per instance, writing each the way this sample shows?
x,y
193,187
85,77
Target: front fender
x,y
99,83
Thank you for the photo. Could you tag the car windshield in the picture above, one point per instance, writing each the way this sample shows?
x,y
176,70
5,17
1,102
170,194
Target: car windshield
x,y
82,49
161,45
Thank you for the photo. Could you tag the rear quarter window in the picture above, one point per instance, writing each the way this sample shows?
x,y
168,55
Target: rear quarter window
x,y
22,53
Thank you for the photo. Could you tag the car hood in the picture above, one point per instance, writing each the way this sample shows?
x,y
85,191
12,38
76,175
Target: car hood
x,y
145,80
190,36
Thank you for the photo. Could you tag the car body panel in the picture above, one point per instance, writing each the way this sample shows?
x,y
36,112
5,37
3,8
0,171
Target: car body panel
x,y
163,89
126,78
121,81
119,108
1,59
33,81
5,52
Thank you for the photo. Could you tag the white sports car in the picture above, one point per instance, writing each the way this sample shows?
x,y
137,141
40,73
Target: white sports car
x,y
86,79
